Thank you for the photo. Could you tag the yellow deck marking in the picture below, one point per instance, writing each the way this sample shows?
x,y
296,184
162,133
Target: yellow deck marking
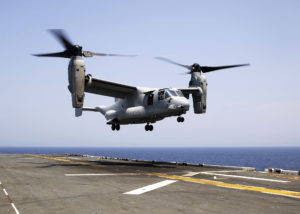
x,y
65,160
232,186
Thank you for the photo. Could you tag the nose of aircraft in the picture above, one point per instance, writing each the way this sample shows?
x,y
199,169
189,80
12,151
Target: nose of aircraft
x,y
181,103
185,104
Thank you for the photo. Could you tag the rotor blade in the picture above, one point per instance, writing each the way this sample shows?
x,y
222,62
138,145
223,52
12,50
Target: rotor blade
x,y
185,73
173,62
91,54
63,54
62,38
206,69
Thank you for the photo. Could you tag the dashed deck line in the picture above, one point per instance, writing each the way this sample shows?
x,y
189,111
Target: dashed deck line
x,y
65,160
9,198
231,186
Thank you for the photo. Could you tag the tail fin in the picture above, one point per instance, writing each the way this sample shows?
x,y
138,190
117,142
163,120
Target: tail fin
x,y
78,112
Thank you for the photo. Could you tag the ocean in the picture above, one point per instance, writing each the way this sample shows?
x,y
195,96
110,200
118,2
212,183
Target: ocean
x,y
287,158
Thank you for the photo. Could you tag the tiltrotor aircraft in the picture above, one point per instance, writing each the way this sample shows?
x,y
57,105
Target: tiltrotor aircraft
x,y
133,105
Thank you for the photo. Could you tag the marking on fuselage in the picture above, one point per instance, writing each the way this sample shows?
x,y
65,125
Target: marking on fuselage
x,y
65,160
150,187
231,186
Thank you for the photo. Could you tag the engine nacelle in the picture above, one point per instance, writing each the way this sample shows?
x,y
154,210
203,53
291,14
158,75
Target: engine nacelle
x,y
199,100
77,81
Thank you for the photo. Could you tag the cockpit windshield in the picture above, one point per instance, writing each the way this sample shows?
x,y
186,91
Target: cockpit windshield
x,y
164,94
169,93
173,93
180,94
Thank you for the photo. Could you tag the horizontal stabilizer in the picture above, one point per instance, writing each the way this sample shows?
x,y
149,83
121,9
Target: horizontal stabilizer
x,y
78,111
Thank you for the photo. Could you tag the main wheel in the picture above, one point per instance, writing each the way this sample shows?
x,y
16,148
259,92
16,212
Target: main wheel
x,y
180,119
147,127
150,127
113,127
117,127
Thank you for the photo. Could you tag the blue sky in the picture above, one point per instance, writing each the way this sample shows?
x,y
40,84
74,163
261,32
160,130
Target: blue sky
x,y
249,106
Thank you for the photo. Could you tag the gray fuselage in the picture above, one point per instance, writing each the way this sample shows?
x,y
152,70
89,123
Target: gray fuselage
x,y
145,108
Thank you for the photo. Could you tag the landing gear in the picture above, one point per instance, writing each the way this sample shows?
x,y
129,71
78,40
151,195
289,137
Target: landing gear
x,y
115,127
180,119
148,127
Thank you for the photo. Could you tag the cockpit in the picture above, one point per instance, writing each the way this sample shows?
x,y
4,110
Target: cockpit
x,y
166,93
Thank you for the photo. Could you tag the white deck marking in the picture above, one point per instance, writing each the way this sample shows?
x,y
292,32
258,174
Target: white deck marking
x,y
225,171
26,158
150,187
16,210
286,193
102,174
245,177
5,192
190,174
8,197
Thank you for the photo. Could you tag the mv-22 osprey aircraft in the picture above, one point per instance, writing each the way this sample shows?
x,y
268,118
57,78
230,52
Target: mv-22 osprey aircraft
x,y
133,105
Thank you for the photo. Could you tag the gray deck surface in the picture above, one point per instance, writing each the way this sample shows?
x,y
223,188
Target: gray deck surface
x,y
42,184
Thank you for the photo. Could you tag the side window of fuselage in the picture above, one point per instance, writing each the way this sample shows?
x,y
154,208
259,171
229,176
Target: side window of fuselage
x,y
161,94
167,95
150,99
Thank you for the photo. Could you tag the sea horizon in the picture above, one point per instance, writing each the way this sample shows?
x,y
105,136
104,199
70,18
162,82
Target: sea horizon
x,y
287,158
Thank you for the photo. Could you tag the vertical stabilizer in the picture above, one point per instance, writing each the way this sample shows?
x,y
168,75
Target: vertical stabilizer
x,y
78,112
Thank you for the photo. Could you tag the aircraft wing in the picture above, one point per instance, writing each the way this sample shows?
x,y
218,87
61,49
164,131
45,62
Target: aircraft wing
x,y
106,88
192,90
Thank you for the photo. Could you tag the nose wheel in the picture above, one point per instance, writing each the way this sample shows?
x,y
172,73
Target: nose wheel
x,y
115,127
180,119
149,127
